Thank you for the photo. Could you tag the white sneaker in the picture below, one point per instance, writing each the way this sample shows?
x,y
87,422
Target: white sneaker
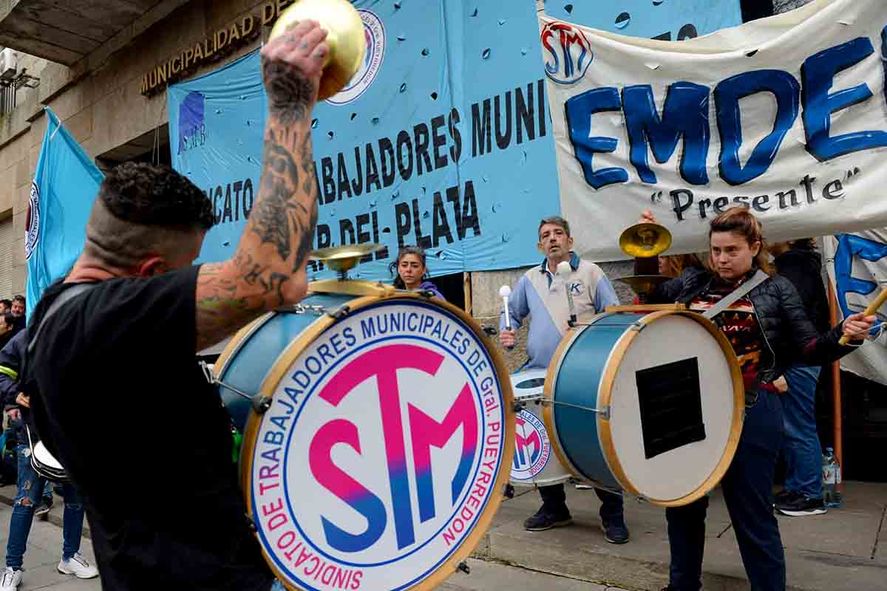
x,y
10,579
78,566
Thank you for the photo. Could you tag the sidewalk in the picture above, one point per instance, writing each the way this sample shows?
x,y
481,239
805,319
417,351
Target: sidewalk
x,y
42,556
844,550
839,551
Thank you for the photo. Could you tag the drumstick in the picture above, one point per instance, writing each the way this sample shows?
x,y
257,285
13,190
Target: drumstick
x,y
870,310
505,293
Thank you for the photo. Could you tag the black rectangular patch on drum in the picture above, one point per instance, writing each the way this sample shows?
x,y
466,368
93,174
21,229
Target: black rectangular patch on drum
x,y
671,406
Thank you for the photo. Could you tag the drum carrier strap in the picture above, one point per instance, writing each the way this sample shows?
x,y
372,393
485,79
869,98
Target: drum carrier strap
x,y
735,295
63,298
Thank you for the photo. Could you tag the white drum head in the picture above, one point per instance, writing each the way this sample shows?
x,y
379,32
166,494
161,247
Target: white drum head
x,y
535,463
383,455
675,411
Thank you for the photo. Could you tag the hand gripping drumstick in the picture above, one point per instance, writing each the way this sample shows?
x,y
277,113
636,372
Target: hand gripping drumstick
x,y
563,271
872,309
505,293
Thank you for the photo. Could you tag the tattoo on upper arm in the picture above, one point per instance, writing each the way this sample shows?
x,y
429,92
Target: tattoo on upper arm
x,y
219,306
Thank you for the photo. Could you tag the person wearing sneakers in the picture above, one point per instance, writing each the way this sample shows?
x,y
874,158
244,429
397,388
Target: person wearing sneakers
x,y
799,262
31,485
769,331
541,295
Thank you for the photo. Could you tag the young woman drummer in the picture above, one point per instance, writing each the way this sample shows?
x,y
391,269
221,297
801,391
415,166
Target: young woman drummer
x,y
412,271
769,331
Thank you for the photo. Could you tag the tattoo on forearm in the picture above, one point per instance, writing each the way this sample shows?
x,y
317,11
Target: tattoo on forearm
x,y
289,92
281,223
286,214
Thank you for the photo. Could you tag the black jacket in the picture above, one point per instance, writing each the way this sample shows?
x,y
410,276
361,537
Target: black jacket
x,y
803,267
788,332
11,357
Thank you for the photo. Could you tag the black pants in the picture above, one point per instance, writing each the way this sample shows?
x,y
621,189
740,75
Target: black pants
x,y
554,502
748,493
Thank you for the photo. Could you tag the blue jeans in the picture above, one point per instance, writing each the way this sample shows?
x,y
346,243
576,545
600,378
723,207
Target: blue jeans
x,y
803,455
30,490
748,493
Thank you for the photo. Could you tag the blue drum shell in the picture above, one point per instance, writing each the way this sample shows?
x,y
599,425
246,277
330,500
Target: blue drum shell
x,y
251,353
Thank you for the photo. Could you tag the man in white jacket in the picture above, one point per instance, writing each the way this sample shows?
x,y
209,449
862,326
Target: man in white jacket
x,y
541,295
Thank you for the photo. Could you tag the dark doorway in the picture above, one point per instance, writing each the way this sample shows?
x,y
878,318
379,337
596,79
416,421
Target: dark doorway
x,y
151,147
452,287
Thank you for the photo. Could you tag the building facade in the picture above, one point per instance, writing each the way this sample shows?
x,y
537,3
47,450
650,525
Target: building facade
x,y
103,67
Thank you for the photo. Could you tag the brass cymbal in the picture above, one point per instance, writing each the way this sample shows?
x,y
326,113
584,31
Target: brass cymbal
x,y
345,37
343,258
645,240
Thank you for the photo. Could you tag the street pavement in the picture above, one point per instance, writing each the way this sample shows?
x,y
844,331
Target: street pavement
x,y
45,542
43,555
844,550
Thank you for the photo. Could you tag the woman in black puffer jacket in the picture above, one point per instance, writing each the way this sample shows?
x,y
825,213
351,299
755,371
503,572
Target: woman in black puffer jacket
x,y
769,331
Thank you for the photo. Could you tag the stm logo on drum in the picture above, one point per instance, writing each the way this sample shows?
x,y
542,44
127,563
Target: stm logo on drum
x,y
381,451
567,52
532,449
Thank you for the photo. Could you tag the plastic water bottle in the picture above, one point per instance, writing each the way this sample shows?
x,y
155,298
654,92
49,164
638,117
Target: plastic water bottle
x,y
831,478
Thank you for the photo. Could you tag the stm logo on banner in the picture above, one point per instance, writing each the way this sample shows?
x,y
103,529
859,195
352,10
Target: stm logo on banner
x,y
567,51
383,453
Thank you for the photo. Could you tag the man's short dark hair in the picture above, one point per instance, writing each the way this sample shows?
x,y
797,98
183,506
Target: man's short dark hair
x,y
18,298
557,221
144,210
152,195
7,303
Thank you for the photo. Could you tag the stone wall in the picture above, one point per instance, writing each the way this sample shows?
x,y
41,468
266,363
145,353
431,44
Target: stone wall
x,y
99,100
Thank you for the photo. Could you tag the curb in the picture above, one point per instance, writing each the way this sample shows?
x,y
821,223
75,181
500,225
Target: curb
x,y
7,497
596,566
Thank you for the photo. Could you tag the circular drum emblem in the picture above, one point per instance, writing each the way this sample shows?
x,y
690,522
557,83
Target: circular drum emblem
x,y
374,31
532,449
567,52
32,221
382,456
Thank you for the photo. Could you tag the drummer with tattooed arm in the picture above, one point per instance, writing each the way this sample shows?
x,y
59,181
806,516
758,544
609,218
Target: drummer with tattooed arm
x,y
769,331
541,295
114,363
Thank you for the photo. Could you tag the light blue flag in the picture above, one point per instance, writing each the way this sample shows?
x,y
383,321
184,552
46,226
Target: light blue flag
x,y
65,185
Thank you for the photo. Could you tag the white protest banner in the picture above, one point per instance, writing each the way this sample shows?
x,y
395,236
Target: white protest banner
x,y
858,269
787,115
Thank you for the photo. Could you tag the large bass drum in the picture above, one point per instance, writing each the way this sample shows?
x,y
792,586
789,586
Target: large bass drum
x,y
649,403
378,447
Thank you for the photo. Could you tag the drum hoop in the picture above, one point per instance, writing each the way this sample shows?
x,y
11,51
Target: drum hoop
x,y
237,342
609,377
278,371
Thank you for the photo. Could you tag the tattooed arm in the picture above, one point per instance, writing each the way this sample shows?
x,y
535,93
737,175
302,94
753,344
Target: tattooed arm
x,y
268,268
